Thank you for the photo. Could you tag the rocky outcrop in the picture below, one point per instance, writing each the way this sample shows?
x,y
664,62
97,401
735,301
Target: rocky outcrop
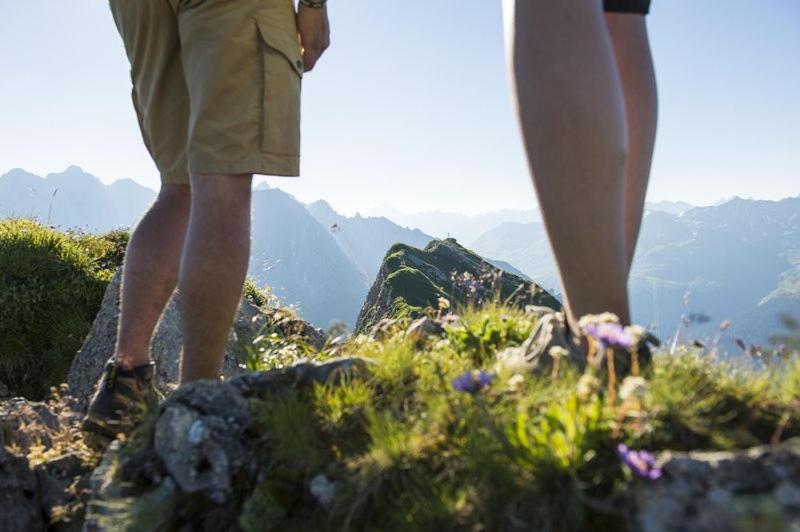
x,y
167,340
44,468
755,489
412,279
199,450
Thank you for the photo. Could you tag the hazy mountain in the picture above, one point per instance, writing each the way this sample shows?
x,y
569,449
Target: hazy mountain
x,y
524,245
73,199
671,207
464,228
737,260
302,263
365,239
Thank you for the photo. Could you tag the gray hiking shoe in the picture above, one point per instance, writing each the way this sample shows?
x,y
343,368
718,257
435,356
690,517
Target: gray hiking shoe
x,y
551,338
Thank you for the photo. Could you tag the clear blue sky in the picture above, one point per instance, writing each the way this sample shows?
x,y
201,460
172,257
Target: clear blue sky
x,y
410,107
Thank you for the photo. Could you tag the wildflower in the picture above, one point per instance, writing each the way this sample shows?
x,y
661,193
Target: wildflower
x,y
450,318
597,319
633,387
642,463
515,382
557,352
444,303
638,332
588,385
472,381
610,335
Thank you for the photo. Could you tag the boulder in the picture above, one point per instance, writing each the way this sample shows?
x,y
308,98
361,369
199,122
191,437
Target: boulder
x,y
198,449
754,489
251,321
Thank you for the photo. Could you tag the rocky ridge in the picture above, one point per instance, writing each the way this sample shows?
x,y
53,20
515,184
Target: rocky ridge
x,y
411,279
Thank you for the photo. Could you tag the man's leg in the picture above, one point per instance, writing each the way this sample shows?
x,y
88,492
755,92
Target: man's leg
x,y
572,115
213,270
150,272
632,49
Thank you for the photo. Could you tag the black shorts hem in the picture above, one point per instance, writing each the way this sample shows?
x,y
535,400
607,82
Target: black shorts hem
x,y
627,6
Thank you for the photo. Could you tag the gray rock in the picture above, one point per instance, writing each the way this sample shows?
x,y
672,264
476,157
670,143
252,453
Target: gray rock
x,y
423,327
198,438
166,347
20,502
30,493
755,489
199,450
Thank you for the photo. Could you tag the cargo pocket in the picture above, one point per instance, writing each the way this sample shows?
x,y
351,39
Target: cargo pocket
x,y
283,72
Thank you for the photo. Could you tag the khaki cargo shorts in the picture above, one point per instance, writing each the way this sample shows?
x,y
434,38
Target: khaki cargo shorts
x,y
216,84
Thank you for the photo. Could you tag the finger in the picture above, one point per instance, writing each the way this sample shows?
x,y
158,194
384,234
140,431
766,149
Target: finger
x,y
309,60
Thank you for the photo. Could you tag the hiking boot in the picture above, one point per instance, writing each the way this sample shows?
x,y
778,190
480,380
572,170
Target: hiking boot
x,y
551,338
120,402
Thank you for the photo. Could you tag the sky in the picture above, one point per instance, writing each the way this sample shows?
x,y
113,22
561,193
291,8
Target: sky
x,y
410,107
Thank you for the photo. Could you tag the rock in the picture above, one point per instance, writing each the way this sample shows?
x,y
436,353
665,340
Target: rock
x,y
412,279
167,341
323,490
424,327
199,450
198,438
35,493
20,503
755,489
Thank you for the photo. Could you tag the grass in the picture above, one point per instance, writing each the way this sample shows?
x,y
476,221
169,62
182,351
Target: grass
x,y
403,449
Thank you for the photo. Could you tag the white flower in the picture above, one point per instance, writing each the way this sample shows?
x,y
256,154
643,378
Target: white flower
x,y
557,352
515,382
635,387
588,385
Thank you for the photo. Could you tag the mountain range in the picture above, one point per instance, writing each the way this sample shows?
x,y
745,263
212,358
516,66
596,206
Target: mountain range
x,y
738,260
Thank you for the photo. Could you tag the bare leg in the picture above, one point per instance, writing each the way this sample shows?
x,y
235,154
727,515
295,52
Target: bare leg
x,y
572,115
213,270
150,272
632,48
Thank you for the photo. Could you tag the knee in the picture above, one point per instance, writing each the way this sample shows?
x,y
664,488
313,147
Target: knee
x,y
227,190
176,198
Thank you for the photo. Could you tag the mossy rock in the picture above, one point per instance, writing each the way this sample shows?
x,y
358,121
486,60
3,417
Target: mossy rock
x,y
51,286
411,280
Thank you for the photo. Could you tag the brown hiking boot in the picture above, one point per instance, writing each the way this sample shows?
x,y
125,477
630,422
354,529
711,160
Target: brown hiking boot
x,y
551,338
120,402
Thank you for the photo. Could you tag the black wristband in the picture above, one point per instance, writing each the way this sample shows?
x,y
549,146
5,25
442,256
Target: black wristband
x,y
316,4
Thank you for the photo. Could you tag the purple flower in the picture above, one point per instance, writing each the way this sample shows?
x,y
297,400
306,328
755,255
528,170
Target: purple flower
x,y
642,463
610,335
472,381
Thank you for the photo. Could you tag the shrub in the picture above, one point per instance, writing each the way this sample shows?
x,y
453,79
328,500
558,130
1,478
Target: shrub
x,y
51,287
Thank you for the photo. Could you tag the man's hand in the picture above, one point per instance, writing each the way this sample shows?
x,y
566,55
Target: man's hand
x,y
315,33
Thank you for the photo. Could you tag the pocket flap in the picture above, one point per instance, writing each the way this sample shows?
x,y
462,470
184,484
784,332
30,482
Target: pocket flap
x,y
285,42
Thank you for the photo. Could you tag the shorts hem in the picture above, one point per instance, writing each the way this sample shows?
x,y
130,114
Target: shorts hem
x,y
175,178
262,164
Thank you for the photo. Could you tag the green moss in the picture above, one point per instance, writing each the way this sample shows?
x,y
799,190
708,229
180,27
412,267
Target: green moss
x,y
51,287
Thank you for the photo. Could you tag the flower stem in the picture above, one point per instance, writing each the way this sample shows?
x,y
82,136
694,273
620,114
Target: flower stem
x,y
635,361
612,377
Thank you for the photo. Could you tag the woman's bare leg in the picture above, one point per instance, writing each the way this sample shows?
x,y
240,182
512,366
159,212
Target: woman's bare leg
x,y
572,114
632,48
